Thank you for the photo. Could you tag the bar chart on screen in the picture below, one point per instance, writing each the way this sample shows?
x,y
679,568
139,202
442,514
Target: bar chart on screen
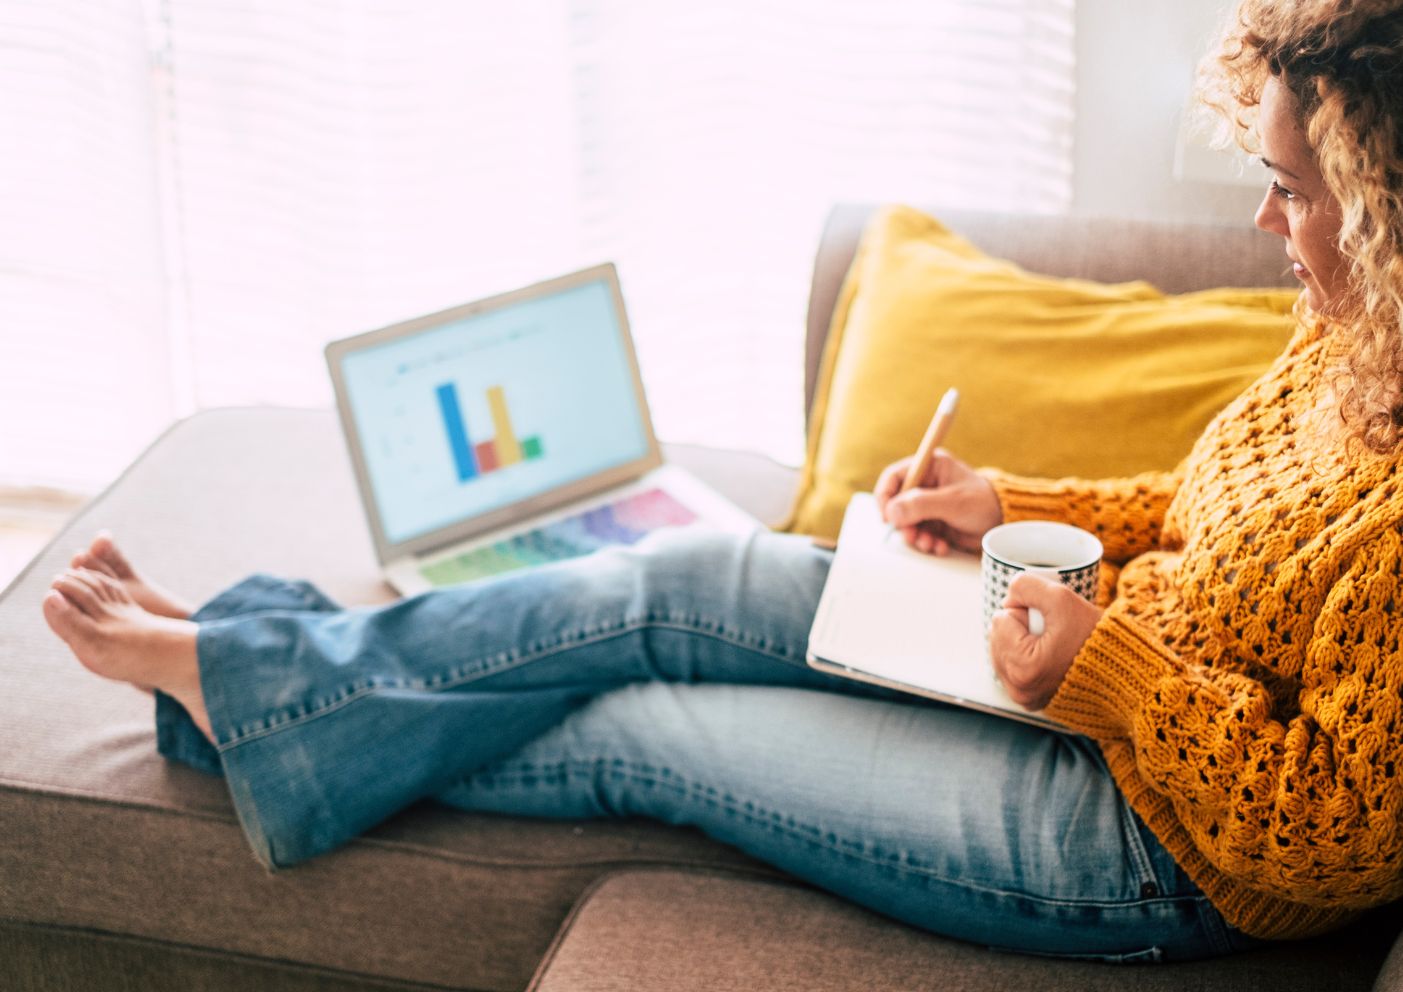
x,y
472,459
493,409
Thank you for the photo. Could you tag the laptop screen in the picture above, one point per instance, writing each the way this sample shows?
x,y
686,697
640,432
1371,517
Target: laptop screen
x,y
492,408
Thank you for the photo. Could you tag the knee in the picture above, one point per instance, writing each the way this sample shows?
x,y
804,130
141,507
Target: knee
x,y
677,562
701,572
648,729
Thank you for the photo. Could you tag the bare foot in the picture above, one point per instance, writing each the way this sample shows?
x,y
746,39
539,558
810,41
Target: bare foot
x,y
112,635
104,556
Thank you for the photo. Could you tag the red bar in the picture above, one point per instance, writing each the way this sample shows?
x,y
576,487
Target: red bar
x,y
486,452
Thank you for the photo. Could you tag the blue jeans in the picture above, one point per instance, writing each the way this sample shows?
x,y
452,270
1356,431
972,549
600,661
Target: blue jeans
x,y
667,680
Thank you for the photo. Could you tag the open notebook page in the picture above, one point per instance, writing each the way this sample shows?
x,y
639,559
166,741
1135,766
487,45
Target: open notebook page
x,y
902,618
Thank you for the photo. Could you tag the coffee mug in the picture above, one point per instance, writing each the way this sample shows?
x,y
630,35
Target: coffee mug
x,y
1060,551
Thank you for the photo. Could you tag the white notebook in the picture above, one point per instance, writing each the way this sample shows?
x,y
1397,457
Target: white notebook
x,y
907,620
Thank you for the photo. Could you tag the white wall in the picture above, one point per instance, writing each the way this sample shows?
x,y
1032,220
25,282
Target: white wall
x,y
1135,63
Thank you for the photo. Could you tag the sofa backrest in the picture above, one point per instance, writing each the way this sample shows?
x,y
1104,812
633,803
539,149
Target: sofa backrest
x,y
1176,257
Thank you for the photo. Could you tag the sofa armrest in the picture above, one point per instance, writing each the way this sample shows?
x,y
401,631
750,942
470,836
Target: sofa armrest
x,y
756,483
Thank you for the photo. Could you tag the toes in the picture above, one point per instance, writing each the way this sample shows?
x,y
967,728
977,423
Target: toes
x,y
105,548
107,587
100,584
86,559
55,603
58,611
62,612
79,591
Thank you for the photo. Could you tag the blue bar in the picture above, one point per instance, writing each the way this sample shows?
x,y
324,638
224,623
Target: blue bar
x,y
457,432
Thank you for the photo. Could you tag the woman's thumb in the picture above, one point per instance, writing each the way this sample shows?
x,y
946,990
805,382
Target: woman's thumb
x,y
1032,589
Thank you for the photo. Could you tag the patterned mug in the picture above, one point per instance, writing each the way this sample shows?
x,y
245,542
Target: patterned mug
x,y
1061,551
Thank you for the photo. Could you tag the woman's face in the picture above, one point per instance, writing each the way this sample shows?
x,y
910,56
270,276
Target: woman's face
x,y
1297,205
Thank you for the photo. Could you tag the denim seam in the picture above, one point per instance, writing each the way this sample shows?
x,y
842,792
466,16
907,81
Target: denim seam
x,y
1215,926
1140,857
814,835
501,662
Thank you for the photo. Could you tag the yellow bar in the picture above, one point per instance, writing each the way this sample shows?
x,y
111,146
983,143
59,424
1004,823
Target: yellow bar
x,y
508,447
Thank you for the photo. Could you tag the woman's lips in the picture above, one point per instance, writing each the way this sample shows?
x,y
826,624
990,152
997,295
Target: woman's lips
x,y
1300,270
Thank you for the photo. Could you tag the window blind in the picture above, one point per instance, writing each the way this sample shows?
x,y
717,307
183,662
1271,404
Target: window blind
x,y
85,377
209,190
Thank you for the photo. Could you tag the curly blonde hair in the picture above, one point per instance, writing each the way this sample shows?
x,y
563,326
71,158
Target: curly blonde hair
x,y
1343,62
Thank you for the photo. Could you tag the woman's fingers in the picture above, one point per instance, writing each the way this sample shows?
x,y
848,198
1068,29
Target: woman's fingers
x,y
928,538
924,505
953,503
889,483
1030,667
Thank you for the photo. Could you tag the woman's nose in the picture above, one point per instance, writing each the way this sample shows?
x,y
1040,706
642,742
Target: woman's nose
x,y
1269,216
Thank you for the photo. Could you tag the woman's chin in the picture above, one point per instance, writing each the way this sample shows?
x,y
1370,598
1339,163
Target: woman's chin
x,y
1315,299
1324,300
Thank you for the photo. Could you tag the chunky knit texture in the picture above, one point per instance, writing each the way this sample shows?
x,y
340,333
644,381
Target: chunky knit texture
x,y
1246,680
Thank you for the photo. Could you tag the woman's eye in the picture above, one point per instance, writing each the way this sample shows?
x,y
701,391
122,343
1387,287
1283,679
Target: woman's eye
x,y
1279,190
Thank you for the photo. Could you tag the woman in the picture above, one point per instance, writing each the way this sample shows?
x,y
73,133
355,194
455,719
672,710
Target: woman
x,y
1238,777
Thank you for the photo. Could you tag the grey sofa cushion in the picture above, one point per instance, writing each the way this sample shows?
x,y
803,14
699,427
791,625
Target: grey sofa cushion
x,y
66,959
701,931
98,833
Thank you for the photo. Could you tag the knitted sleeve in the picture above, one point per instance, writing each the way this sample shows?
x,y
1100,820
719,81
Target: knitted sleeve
x,y
1300,795
1126,514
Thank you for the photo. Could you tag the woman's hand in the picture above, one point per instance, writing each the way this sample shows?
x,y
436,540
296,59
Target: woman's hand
x,y
1032,668
953,506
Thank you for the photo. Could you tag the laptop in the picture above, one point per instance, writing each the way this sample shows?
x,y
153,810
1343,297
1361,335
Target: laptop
x,y
509,432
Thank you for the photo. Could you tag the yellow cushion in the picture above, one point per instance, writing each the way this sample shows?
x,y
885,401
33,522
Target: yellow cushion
x,y
1056,376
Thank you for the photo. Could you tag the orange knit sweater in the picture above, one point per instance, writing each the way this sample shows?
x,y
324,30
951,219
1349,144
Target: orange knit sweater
x,y
1246,680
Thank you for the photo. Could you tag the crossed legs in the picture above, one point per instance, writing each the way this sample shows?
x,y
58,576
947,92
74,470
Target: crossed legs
x,y
666,681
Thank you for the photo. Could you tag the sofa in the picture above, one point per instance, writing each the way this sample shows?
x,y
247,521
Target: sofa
x,y
121,871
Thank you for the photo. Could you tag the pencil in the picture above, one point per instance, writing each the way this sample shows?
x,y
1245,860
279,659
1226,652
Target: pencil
x,y
935,433
939,426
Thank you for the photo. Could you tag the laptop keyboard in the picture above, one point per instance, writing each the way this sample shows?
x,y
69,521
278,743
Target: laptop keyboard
x,y
625,521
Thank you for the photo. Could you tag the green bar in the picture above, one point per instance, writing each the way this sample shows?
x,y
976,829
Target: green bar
x,y
531,446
